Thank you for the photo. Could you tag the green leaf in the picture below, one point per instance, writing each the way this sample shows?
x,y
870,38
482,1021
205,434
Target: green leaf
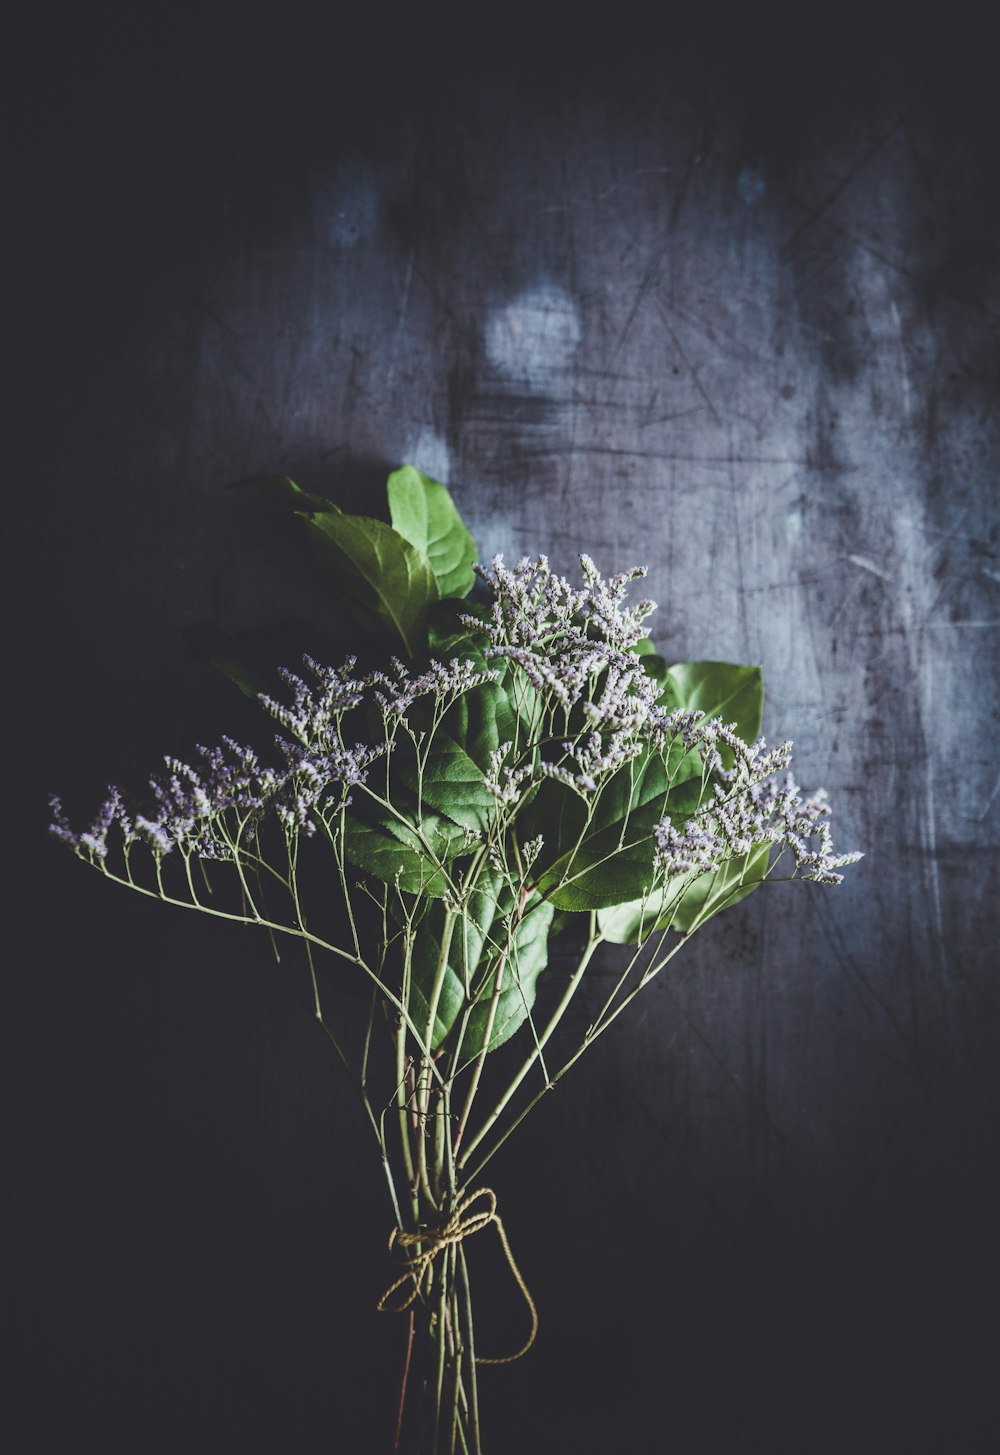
x,y
458,756
478,942
458,748
613,860
685,900
709,893
252,658
393,849
722,689
653,664
518,983
282,490
609,861
386,582
423,512
718,689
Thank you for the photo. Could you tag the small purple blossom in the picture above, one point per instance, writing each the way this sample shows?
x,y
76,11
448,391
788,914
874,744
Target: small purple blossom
x,y
205,808
94,840
505,783
747,814
575,647
316,710
445,681
695,849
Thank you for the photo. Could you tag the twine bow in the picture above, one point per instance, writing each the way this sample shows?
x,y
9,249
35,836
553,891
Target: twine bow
x,y
433,1241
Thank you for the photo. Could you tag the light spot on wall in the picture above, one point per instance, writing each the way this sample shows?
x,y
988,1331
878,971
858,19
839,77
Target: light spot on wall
x,y
428,452
348,203
793,524
535,335
750,185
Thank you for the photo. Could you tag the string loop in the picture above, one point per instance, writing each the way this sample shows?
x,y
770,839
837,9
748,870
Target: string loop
x,y
433,1241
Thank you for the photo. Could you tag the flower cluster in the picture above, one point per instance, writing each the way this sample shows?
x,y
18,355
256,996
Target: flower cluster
x,y
316,711
188,804
575,646
317,780
798,820
93,840
593,698
205,809
592,757
504,782
749,812
695,849
444,681
535,608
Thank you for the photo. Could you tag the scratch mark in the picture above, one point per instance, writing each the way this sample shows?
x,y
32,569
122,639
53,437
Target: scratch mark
x,y
930,829
215,317
737,348
748,1096
404,304
694,156
689,366
868,565
846,600
667,418
651,275
990,801
854,976
638,172
918,280
844,182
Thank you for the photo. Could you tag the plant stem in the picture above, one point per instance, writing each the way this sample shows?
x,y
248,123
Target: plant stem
x,y
593,941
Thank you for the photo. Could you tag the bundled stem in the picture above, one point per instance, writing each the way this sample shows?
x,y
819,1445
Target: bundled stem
x,y
548,767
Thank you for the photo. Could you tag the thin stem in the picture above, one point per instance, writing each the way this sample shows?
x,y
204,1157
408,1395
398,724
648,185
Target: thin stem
x,y
480,1061
463,1271
161,894
406,1375
588,1041
441,1331
593,941
455,1332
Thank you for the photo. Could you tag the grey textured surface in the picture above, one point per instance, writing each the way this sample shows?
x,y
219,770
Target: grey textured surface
x,y
744,334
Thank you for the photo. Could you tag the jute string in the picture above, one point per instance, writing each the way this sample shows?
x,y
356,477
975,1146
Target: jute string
x,y
433,1241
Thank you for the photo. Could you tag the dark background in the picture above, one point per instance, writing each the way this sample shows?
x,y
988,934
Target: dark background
x,y
716,294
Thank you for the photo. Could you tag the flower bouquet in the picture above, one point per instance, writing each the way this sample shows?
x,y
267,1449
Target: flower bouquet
x,y
525,765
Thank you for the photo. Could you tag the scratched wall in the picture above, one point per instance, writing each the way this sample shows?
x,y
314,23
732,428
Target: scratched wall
x,y
723,308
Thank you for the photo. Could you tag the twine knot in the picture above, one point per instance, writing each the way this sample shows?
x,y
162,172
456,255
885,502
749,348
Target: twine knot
x,y
432,1241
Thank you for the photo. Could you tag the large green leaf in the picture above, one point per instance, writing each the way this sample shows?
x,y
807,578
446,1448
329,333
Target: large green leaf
x,y
685,900
610,860
709,893
458,757
385,580
252,658
398,850
477,944
423,512
282,490
722,689
458,751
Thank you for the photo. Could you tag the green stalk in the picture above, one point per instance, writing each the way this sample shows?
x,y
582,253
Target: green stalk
x,y
441,1332
471,1346
480,1061
588,1040
593,941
